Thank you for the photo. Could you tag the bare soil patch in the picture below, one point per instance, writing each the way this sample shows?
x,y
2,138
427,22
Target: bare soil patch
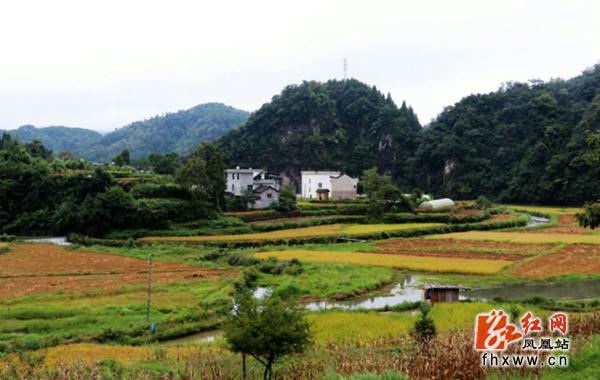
x,y
406,246
457,254
41,268
572,259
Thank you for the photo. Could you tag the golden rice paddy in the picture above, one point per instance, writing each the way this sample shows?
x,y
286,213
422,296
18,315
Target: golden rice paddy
x,y
417,263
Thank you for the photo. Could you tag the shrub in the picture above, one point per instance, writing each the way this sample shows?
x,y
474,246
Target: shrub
x,y
156,190
424,328
7,238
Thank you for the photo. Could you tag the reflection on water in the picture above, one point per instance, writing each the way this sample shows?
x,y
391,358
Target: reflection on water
x,y
537,221
571,290
405,291
203,337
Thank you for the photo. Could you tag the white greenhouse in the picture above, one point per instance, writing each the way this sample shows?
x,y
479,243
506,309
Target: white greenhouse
x,y
438,204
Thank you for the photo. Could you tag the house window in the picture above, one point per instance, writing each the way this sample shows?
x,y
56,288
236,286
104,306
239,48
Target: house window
x,y
232,187
232,175
249,187
309,180
238,176
269,195
320,185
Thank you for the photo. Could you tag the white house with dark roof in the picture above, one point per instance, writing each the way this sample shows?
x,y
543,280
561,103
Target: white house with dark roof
x,y
263,197
325,185
264,189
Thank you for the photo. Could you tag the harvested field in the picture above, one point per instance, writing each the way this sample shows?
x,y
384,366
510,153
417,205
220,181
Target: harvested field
x,y
424,245
462,255
572,259
431,264
521,237
499,218
41,268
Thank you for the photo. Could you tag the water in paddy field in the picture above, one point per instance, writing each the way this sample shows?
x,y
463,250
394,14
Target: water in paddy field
x,y
60,240
407,290
203,337
571,290
537,221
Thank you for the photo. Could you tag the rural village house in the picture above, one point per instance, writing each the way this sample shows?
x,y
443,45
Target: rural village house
x,y
325,185
264,189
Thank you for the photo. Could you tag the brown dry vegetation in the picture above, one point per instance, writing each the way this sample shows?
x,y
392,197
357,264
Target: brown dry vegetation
x,y
572,259
41,268
452,245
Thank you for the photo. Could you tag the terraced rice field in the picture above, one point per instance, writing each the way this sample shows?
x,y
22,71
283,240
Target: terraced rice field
x,y
572,259
42,268
522,237
410,262
294,233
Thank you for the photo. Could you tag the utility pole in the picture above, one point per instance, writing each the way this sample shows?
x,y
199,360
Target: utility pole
x,y
149,288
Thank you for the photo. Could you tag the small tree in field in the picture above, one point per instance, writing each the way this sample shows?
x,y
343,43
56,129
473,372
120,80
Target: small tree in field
x,y
590,218
266,330
424,328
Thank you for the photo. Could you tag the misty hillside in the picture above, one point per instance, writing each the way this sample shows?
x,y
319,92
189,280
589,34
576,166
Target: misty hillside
x,y
174,132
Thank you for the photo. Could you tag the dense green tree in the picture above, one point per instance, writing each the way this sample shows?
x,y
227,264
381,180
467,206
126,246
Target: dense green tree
x,y
112,209
590,218
66,155
380,191
122,158
38,150
164,164
266,330
215,173
287,199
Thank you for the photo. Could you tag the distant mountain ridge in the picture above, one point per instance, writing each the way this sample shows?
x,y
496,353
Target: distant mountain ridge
x,y
178,132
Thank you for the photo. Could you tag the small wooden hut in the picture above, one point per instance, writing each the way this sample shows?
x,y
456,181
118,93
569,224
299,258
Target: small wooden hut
x,y
441,293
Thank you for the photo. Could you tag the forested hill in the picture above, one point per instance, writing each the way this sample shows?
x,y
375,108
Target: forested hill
x,y
337,125
57,138
523,143
177,132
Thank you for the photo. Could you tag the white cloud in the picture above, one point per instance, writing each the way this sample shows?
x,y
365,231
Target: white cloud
x,y
103,64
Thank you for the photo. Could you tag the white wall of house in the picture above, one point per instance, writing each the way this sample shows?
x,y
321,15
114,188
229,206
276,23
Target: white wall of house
x,y
240,180
343,187
265,199
311,181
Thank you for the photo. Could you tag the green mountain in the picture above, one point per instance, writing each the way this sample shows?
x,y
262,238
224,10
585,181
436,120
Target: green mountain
x,y
57,138
177,132
526,142
337,125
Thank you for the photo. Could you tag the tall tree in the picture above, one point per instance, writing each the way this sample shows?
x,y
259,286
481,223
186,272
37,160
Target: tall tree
x,y
266,330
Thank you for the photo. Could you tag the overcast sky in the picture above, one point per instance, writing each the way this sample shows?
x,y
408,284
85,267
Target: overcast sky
x,y
103,64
